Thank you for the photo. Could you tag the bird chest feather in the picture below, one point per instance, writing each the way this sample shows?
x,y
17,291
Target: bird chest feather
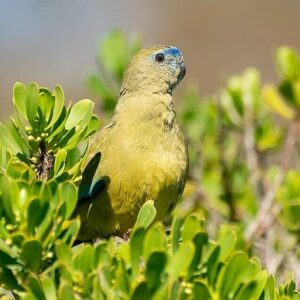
x,y
149,161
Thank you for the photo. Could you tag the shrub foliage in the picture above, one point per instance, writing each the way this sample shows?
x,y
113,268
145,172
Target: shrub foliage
x,y
242,198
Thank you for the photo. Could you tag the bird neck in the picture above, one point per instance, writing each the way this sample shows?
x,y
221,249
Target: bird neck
x,y
155,108
147,86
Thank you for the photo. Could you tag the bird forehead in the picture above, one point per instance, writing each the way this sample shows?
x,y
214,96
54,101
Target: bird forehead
x,y
172,51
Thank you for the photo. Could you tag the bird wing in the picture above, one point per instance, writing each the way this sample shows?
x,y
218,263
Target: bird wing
x,y
89,187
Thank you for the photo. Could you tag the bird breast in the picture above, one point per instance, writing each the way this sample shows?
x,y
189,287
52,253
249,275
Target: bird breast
x,y
144,160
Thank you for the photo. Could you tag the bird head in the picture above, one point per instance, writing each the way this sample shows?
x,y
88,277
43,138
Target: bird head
x,y
156,69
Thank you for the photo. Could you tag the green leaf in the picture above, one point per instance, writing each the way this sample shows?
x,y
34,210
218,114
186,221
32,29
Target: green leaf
x,y
269,291
136,248
49,288
92,127
261,279
73,141
7,140
58,126
63,255
6,258
296,91
114,54
97,292
154,268
46,104
213,265
65,292
8,279
80,113
68,192
247,291
227,240
83,262
235,91
60,161
238,270
6,196
58,105
35,286
36,212
276,103
176,227
181,261
289,288
191,227
155,240
288,62
32,254
293,212
201,291
19,98
200,240
19,138
141,292
15,168
4,248
67,136
32,103
72,232
146,215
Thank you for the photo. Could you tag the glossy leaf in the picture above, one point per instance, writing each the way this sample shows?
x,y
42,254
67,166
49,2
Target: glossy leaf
x,y
154,268
181,260
136,248
60,160
68,191
58,105
80,113
146,215
32,254
276,103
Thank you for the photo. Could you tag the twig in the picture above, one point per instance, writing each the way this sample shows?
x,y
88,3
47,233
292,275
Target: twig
x,y
44,163
265,217
272,259
227,193
250,149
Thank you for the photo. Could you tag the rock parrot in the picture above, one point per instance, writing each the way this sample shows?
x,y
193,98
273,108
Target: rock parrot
x,y
143,151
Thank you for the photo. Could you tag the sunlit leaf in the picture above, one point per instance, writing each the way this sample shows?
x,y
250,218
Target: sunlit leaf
x,y
276,103
80,113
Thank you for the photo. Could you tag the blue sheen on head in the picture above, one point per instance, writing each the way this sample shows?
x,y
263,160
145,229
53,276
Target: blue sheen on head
x,y
169,57
172,51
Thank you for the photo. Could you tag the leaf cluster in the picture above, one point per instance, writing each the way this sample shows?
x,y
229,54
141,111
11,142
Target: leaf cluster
x,y
239,152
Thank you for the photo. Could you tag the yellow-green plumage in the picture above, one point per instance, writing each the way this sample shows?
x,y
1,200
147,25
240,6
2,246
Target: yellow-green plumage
x,y
144,155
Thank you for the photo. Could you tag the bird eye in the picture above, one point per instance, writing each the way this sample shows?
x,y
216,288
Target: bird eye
x,y
160,57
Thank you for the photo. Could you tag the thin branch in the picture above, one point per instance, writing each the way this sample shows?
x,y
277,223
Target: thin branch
x,y
44,163
227,193
250,149
265,216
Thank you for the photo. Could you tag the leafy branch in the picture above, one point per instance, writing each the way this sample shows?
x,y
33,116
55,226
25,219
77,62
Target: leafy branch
x,y
231,142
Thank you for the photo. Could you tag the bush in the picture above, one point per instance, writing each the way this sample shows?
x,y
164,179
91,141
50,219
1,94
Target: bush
x,y
240,177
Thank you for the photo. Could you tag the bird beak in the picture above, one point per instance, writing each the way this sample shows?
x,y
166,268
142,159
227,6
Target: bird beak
x,y
182,69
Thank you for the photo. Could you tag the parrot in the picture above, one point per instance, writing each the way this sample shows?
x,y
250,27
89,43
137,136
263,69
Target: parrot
x,y
140,154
